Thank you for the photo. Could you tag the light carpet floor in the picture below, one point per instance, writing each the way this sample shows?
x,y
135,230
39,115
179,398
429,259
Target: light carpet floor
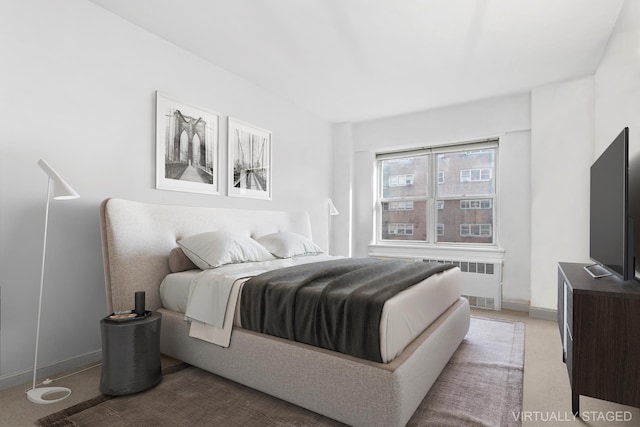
x,y
488,362
547,396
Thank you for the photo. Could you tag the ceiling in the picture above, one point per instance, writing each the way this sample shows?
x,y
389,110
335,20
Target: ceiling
x,y
356,60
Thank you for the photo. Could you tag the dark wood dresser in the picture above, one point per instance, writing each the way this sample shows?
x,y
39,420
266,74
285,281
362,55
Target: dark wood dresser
x,y
599,321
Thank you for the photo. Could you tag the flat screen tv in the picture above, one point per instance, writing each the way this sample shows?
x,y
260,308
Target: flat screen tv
x,y
611,228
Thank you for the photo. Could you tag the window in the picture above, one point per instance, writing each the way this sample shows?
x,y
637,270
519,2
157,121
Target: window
x,y
416,204
400,180
404,229
471,175
476,204
398,206
475,230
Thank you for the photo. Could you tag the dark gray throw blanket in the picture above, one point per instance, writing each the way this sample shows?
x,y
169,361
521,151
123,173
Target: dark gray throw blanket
x,y
334,304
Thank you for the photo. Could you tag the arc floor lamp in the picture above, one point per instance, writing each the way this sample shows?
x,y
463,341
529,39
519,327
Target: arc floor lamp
x,y
57,189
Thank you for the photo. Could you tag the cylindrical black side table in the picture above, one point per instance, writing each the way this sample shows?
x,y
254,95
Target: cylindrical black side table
x,y
130,354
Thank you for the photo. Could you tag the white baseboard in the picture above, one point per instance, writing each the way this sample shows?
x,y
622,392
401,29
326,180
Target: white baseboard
x,y
26,377
536,312
543,313
515,305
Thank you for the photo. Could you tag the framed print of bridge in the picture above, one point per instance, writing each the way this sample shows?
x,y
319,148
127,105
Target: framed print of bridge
x,y
249,160
186,147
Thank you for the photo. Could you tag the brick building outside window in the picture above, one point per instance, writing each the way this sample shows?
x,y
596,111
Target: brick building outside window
x,y
438,195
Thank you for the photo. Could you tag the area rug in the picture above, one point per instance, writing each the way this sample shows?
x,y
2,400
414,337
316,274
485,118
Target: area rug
x,y
480,386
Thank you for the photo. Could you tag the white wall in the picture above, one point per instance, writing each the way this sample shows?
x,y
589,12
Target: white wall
x,y
505,117
77,88
573,122
617,94
617,83
342,184
561,154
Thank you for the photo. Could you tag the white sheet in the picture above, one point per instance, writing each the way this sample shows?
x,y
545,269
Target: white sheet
x,y
220,335
209,292
403,318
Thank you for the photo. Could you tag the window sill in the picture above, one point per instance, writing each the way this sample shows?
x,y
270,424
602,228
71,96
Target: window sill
x,y
476,253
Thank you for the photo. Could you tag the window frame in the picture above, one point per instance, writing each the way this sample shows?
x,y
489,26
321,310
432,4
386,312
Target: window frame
x,y
432,199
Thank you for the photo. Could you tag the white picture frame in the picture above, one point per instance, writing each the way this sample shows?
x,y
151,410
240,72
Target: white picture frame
x,y
250,163
186,147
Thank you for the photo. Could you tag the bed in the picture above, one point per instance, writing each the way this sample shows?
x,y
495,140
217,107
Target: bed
x,y
137,239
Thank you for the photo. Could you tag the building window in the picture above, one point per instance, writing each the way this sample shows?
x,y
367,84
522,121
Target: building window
x,y
416,204
474,175
403,229
475,230
400,180
398,206
476,204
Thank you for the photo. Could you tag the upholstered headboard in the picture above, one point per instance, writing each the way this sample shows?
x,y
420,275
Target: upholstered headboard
x,y
137,238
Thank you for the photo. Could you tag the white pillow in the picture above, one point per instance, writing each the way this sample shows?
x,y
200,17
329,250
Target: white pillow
x,y
215,248
287,245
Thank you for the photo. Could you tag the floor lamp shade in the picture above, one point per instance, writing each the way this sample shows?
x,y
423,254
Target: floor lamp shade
x,y
332,209
61,190
57,188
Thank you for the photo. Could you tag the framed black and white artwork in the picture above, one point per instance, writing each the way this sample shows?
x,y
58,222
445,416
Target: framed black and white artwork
x,y
249,160
186,147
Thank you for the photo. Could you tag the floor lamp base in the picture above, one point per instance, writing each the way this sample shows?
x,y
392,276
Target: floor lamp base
x,y
37,395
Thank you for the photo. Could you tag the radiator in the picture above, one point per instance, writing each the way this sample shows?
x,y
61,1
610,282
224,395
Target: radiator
x,y
481,282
